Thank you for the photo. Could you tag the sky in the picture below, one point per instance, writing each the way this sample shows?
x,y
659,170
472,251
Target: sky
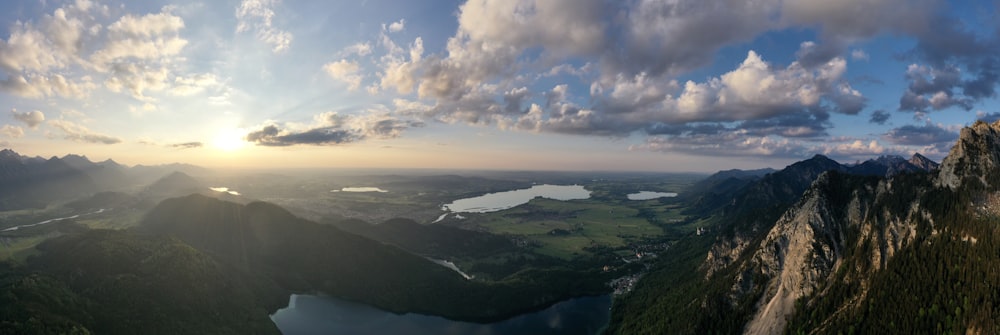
x,y
647,85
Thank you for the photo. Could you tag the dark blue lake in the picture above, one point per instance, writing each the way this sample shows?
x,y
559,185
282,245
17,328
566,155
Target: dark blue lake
x,y
309,314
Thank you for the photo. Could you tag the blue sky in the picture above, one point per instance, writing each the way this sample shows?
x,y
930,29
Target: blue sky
x,y
682,85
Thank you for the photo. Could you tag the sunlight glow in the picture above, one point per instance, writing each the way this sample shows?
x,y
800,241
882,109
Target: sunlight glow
x,y
229,140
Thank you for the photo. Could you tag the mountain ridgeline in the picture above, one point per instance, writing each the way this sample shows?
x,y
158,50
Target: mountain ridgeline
x,y
35,182
889,246
292,254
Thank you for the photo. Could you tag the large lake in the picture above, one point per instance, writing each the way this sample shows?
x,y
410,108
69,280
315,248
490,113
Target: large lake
x,y
493,202
309,314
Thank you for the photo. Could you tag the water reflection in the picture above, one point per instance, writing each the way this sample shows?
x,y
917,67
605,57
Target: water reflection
x,y
493,202
308,314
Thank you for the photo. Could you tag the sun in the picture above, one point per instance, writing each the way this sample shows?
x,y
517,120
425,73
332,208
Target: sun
x,y
229,140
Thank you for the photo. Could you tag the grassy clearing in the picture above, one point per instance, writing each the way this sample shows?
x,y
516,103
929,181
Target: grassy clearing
x,y
117,219
565,228
19,248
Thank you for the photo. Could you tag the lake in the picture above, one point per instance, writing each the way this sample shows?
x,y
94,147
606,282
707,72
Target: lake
x,y
647,195
360,190
498,201
309,314
223,189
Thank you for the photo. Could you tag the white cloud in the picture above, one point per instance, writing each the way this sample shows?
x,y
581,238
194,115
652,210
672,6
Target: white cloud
x,y
78,133
360,49
149,37
258,16
32,118
345,71
858,54
395,27
149,25
137,79
10,131
185,86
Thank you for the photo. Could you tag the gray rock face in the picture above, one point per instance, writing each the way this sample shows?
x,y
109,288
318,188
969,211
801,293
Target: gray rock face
x,y
801,252
976,156
923,163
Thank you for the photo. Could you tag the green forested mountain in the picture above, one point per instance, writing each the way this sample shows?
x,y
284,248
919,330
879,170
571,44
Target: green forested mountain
x,y
115,282
914,253
199,265
302,256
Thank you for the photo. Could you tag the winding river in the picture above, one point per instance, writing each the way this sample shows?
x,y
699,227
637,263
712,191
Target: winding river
x,y
51,220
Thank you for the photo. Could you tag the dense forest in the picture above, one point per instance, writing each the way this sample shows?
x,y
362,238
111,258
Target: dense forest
x,y
201,265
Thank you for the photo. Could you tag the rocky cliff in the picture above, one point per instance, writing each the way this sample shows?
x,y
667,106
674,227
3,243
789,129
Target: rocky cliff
x,y
899,254
854,226
975,156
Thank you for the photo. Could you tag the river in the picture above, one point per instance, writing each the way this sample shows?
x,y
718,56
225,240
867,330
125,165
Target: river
x,y
51,220
310,314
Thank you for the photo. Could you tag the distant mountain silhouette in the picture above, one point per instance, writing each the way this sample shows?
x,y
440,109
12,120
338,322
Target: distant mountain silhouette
x,y
28,182
173,185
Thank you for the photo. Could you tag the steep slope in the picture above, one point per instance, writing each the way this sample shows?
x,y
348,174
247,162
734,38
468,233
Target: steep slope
x,y
759,205
915,253
924,163
432,240
114,282
801,252
974,158
719,189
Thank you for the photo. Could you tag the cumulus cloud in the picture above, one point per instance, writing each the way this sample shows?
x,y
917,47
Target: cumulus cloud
x,y
32,118
725,144
331,128
395,27
33,49
933,88
631,61
148,37
257,16
10,131
62,54
345,71
927,134
767,100
879,117
75,132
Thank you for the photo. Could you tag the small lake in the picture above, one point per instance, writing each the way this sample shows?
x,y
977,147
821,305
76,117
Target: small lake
x,y
222,189
647,195
493,202
309,314
361,189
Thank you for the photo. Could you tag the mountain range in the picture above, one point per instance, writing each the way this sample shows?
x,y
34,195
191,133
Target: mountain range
x,y
889,246
886,246
34,182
